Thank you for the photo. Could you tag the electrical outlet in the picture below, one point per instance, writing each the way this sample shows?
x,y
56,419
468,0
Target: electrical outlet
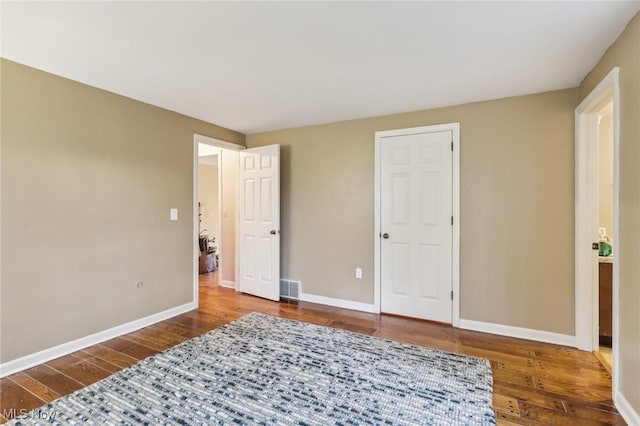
x,y
359,273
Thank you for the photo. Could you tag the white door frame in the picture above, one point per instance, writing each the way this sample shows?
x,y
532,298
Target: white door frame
x,y
455,258
206,140
586,211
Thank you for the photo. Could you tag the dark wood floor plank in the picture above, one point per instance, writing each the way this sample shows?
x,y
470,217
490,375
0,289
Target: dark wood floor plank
x,y
193,324
585,412
117,358
504,347
175,329
553,417
35,387
507,376
79,370
418,339
54,379
505,404
529,395
505,419
105,365
130,348
159,342
16,400
349,325
575,391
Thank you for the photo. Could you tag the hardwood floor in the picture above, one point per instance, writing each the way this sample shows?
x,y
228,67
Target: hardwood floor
x,y
534,383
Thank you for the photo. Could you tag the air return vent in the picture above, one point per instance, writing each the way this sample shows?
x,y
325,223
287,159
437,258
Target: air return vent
x,y
289,289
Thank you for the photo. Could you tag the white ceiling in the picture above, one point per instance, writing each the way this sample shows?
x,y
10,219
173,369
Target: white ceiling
x,y
266,65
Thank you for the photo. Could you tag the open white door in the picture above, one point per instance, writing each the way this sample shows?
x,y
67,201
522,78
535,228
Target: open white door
x,y
259,227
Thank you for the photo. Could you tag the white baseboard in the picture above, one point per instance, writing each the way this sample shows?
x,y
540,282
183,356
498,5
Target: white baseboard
x,y
519,332
225,283
338,303
631,416
45,355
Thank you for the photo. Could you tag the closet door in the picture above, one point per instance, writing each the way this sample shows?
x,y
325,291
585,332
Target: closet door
x,y
416,229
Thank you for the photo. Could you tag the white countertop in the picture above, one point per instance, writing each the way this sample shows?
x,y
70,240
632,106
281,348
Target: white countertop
x,y
605,259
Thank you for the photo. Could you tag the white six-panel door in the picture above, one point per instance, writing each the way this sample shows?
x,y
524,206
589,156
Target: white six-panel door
x,y
259,222
415,225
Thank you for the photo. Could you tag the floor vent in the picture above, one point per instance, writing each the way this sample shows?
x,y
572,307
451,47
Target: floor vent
x,y
289,289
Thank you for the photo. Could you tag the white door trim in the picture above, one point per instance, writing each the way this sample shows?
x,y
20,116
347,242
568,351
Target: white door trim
x,y
455,258
586,216
197,139
216,142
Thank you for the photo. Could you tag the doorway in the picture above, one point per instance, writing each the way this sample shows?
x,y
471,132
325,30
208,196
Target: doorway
x,y
209,214
597,156
216,162
606,257
249,212
417,222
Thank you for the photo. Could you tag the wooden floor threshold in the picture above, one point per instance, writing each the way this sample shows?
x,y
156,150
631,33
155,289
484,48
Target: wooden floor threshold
x,y
604,362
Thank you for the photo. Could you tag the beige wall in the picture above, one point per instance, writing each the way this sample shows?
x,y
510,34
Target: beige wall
x,y
517,227
208,198
605,173
229,212
88,178
625,53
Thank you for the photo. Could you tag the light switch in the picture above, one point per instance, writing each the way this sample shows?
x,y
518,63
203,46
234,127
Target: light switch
x,y
224,212
173,214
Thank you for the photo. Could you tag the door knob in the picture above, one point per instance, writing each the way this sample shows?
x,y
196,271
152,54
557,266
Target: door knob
x,y
385,236
273,232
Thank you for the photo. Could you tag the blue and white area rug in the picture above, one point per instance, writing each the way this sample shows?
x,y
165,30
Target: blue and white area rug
x,y
266,370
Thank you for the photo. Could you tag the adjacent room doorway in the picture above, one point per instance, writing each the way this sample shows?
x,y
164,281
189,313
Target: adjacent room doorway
x,y
596,276
249,211
417,217
219,219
